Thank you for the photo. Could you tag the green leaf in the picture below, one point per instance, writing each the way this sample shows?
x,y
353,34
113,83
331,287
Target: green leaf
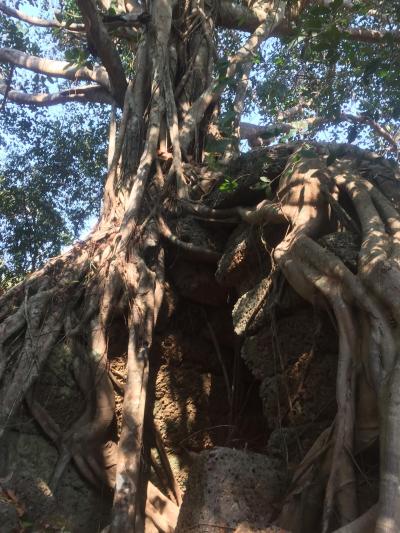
x,y
279,61
228,185
73,55
384,73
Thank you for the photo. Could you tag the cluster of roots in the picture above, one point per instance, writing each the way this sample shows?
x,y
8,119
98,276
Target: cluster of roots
x,y
75,297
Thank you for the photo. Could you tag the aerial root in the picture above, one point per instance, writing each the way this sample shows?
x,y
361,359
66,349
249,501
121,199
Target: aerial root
x,y
125,281
78,442
64,442
35,313
43,326
388,520
265,211
363,524
167,466
304,479
340,487
342,483
98,468
192,251
379,268
145,289
320,276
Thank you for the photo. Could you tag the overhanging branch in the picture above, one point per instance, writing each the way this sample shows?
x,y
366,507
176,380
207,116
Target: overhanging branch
x,y
36,21
98,35
50,67
83,95
255,132
240,17
377,128
364,35
370,36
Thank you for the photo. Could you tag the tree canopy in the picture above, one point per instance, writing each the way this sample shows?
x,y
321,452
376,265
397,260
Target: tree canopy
x,y
329,73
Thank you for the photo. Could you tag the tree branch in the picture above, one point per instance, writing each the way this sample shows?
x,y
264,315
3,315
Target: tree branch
x,y
98,35
377,128
57,69
35,21
240,17
252,132
370,36
83,95
7,87
364,35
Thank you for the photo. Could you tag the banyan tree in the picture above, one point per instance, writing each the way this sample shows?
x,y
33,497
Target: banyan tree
x,y
178,78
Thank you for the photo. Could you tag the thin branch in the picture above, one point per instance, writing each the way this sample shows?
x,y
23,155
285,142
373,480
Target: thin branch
x,y
83,95
98,35
239,17
56,69
6,88
370,36
114,21
377,128
35,21
252,132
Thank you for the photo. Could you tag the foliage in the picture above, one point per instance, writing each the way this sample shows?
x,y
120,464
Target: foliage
x,y
228,185
50,182
331,74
